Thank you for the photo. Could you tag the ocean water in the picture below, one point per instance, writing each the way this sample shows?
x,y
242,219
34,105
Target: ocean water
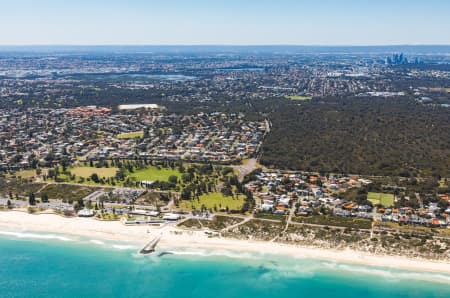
x,y
50,265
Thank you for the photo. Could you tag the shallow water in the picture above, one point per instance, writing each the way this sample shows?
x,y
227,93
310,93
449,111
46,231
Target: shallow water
x,y
53,265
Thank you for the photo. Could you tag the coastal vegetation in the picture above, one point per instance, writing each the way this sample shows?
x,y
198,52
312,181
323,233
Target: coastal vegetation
x,y
218,223
256,230
359,135
66,192
381,240
337,221
18,187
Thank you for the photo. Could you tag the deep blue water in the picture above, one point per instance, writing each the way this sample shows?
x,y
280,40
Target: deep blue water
x,y
52,267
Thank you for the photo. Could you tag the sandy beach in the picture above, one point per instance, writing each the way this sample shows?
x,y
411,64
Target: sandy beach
x,y
173,237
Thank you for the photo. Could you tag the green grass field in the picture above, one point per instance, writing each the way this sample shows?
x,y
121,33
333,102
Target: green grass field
x,y
131,135
299,97
214,199
384,199
86,172
153,174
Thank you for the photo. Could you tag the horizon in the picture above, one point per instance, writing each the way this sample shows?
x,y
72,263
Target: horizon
x,y
226,45
443,49
195,50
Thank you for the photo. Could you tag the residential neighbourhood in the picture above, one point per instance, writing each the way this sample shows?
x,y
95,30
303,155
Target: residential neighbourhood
x,y
43,137
306,195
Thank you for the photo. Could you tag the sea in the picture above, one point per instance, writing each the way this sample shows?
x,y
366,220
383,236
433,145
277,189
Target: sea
x,y
56,265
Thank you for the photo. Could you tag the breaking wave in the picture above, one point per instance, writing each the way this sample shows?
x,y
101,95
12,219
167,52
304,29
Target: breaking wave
x,y
124,247
35,236
394,275
215,253
302,268
98,242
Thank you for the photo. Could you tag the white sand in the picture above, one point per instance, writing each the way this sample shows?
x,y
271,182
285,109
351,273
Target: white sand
x,y
174,237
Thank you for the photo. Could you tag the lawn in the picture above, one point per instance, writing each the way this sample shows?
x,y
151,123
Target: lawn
x,y
299,97
86,172
131,135
154,174
214,199
384,199
25,174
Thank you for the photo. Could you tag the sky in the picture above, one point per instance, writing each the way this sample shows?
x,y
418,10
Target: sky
x,y
226,22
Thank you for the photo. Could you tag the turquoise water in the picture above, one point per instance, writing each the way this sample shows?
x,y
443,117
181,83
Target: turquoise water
x,y
48,265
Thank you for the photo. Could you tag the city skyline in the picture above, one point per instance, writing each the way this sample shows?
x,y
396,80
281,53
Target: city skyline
x,y
200,22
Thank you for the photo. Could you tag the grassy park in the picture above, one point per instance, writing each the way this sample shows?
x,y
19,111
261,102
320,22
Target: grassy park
x,y
86,172
154,173
299,97
443,183
214,199
131,135
384,199
26,174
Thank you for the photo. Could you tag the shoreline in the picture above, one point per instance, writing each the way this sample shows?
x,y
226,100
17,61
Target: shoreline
x,y
173,237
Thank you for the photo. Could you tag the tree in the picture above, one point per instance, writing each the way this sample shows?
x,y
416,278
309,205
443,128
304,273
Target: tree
x,y
94,177
227,190
51,173
173,179
31,199
34,163
78,204
443,204
186,177
186,194
49,157
121,174
65,163
44,198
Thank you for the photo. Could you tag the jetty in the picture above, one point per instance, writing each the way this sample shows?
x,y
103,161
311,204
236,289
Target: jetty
x,y
150,247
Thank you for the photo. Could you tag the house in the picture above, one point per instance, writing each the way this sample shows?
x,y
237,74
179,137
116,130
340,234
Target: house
x,y
171,217
86,213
